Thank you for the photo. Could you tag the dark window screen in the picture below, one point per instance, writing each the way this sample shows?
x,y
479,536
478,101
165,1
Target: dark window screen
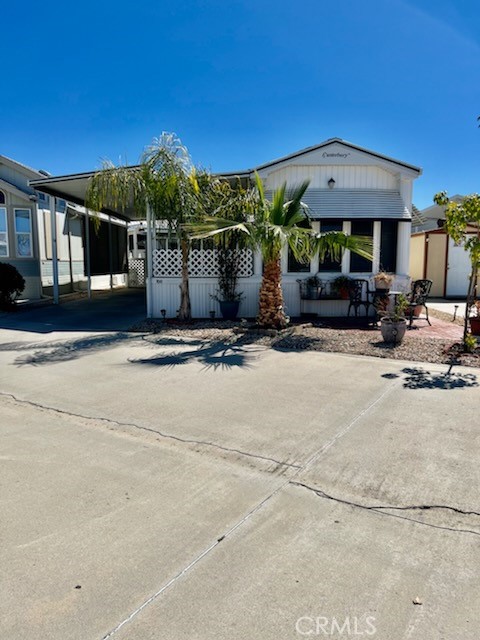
x,y
294,266
357,263
328,264
99,249
388,246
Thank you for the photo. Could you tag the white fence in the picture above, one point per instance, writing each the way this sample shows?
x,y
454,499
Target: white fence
x,y
202,263
136,272
203,272
166,295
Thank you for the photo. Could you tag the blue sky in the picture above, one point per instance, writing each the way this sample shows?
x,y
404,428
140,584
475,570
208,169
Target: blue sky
x,y
244,82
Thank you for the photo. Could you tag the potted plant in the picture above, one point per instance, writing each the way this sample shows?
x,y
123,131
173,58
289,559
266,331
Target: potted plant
x,y
341,286
314,288
393,325
383,281
228,270
475,319
11,286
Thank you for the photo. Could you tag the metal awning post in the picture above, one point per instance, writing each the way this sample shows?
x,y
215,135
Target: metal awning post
x,y
110,256
87,252
149,265
53,223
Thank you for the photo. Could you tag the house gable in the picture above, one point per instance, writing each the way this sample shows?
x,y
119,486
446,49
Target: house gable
x,y
339,153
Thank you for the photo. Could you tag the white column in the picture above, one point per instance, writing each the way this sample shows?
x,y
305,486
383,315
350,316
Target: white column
x,y
347,228
257,263
149,264
403,247
110,250
377,237
53,223
314,261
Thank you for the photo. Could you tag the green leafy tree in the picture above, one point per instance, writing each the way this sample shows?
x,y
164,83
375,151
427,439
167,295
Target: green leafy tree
x,y
274,225
166,183
462,223
233,203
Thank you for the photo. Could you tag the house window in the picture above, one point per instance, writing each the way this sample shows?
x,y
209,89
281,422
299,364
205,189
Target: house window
x,y
2,198
42,198
3,232
141,241
388,245
327,264
23,233
61,205
295,266
357,263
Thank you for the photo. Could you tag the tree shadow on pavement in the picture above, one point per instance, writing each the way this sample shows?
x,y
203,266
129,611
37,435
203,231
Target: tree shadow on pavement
x,y
213,355
63,351
418,378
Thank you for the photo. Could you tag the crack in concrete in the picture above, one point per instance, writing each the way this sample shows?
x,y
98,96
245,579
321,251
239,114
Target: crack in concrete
x,y
162,434
383,509
219,539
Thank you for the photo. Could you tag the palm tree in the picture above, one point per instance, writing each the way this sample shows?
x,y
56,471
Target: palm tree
x,y
165,184
276,224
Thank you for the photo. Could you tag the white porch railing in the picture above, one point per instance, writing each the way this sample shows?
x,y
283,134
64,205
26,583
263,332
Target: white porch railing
x,y
202,263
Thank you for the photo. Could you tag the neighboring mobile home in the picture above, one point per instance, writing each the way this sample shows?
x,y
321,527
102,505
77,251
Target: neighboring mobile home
x,y
26,237
19,243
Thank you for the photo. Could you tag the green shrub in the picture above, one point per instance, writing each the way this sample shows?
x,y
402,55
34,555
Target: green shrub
x,y
11,285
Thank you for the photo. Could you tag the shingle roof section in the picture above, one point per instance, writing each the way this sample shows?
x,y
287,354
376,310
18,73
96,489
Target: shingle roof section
x,y
379,204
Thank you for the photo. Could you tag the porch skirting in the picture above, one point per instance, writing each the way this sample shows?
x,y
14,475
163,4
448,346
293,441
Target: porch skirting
x,y
166,295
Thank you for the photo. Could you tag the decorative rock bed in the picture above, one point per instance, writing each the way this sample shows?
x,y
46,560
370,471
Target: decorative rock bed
x,y
364,341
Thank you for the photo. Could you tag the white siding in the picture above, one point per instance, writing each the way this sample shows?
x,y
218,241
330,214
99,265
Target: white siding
x,y
346,177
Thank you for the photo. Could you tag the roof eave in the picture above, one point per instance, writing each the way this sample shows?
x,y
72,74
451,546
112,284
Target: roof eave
x,y
302,152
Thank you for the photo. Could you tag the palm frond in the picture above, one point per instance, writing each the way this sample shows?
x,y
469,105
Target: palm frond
x,y
213,226
333,243
295,208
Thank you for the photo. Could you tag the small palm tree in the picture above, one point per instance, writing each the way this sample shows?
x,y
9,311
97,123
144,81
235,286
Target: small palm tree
x,y
276,224
165,182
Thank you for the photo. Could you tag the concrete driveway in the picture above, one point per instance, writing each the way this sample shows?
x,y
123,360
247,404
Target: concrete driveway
x,y
156,488
115,310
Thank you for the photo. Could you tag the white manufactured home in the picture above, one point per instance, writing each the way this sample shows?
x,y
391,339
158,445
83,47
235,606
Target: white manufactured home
x,y
352,189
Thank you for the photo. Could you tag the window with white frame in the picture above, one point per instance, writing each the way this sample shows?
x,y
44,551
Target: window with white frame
x,y
23,233
3,199
3,233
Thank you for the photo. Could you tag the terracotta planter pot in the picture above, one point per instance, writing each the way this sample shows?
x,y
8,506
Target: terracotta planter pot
x,y
475,326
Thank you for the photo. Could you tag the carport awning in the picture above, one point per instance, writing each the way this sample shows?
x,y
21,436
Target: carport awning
x,y
73,188
347,204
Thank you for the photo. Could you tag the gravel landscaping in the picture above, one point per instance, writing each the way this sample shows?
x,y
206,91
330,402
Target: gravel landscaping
x,y
328,335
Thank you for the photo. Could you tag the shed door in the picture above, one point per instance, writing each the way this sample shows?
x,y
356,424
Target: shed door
x,y
458,270
437,245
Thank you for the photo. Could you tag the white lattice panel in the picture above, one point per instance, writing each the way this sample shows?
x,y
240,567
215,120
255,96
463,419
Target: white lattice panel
x,y
136,272
203,263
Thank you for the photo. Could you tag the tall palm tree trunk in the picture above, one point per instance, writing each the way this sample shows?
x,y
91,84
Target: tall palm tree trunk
x,y
185,311
271,313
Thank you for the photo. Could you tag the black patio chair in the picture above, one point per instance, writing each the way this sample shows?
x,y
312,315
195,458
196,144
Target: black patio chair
x,y
418,297
359,295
